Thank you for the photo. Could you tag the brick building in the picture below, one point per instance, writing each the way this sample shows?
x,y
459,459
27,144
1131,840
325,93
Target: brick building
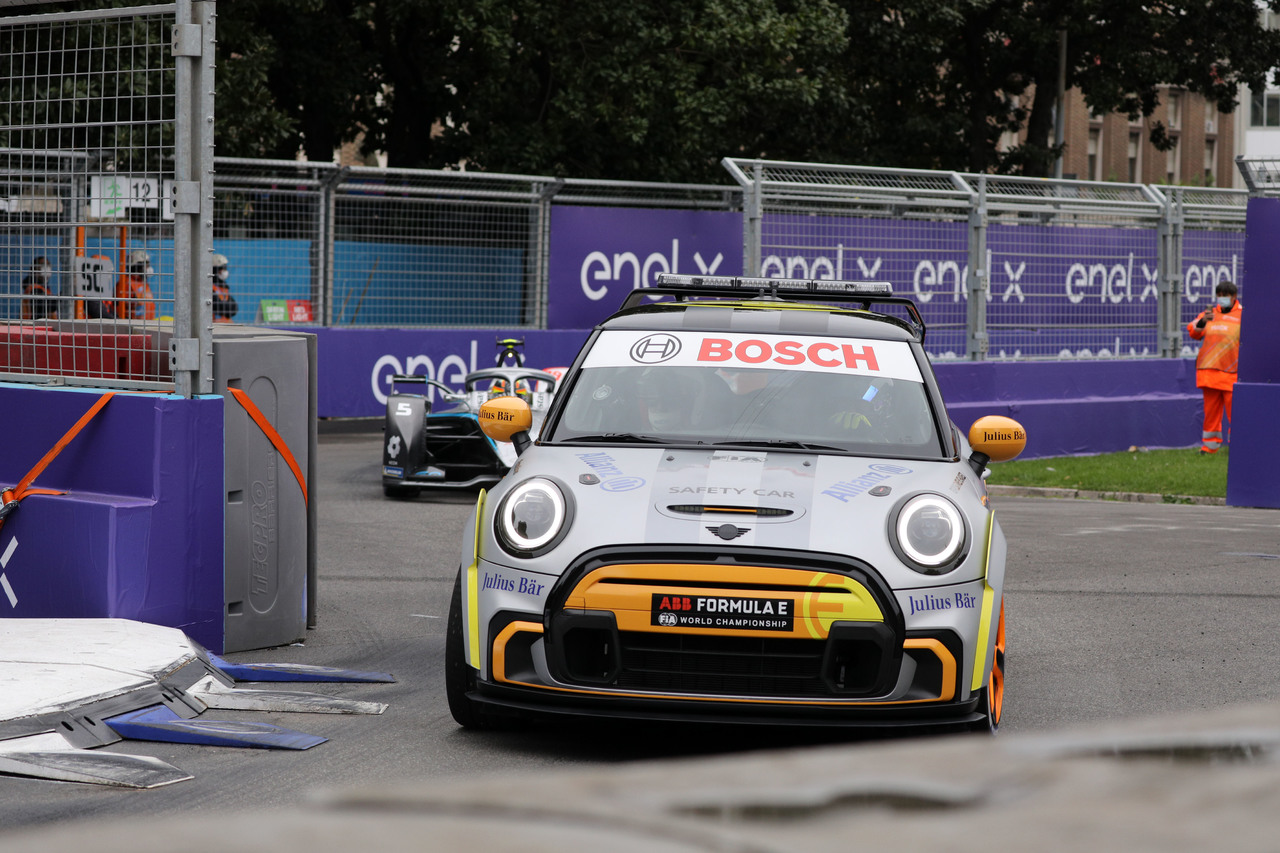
x,y
1112,148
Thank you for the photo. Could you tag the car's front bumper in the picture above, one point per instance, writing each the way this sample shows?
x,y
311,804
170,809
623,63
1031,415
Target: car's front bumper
x,y
815,639
524,701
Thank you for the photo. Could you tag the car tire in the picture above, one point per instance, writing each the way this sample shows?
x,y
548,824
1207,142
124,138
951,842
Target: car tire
x,y
402,493
991,699
460,678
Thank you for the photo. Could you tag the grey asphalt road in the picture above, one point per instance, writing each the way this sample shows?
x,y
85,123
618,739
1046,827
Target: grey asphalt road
x,y
1114,610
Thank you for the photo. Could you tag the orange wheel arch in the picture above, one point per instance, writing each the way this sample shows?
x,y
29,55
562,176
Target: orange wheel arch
x,y
995,684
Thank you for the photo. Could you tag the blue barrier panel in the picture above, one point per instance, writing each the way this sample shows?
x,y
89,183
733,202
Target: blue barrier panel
x,y
392,284
1253,469
1253,473
1080,406
1069,407
139,533
356,365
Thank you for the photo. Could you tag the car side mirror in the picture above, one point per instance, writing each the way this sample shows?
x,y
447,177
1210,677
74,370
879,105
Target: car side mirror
x,y
507,419
995,439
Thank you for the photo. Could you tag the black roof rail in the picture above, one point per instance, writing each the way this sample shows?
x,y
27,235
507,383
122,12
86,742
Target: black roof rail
x,y
862,293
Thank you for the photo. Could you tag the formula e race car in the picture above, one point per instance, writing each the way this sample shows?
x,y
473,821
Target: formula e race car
x,y
746,503
446,448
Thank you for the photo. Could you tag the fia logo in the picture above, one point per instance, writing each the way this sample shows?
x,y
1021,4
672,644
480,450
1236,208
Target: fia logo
x,y
667,618
655,349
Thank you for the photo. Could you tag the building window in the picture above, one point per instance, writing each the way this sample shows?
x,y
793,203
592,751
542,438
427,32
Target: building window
x,y
1095,153
1175,110
1210,158
1171,163
1265,110
1210,118
1135,156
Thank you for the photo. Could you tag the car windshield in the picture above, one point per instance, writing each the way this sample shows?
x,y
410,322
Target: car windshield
x,y
838,394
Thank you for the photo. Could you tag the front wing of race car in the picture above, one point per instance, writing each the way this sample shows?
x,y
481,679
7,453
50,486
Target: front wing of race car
x,y
438,450
766,636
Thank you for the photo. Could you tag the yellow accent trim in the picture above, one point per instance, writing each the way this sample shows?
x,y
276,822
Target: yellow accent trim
x,y
719,301
922,643
982,648
473,590
829,597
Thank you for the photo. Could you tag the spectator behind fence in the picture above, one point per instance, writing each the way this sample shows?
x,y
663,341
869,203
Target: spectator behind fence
x,y
38,302
1219,328
224,304
134,300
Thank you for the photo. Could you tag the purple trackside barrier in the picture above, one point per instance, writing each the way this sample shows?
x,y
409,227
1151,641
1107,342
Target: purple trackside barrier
x,y
1253,473
139,533
1079,407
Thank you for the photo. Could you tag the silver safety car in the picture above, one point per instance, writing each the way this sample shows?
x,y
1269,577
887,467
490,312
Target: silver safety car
x,y
746,503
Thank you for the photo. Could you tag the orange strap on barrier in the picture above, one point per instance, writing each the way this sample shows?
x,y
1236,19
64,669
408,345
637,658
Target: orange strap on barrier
x,y
13,496
272,436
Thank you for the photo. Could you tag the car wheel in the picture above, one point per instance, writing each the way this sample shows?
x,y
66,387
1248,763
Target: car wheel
x,y
459,677
402,493
991,699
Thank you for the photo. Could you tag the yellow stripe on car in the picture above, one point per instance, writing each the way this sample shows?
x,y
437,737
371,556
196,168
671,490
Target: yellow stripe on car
x,y
982,648
473,590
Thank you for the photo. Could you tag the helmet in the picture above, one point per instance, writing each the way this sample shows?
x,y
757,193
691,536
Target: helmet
x,y
219,267
666,398
140,262
42,268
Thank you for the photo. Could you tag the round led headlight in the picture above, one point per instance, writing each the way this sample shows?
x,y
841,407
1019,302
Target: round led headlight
x,y
532,517
928,532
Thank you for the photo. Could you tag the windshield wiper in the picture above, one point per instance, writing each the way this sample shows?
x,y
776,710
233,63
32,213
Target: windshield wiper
x,y
621,437
781,443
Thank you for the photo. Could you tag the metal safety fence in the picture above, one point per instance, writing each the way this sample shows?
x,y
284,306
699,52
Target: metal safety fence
x,y
367,247
1003,267
104,167
123,240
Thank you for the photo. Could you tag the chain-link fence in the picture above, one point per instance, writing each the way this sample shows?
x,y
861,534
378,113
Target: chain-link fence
x,y
366,247
1003,267
98,192
106,168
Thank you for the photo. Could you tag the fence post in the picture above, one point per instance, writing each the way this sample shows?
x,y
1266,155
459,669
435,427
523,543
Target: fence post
x,y
1170,308
540,251
322,288
977,280
191,348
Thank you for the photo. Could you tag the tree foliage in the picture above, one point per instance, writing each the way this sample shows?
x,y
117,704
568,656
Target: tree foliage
x,y
963,72
635,89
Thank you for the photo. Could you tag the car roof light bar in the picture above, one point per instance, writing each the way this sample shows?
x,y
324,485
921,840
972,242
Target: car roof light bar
x,y
864,293
772,285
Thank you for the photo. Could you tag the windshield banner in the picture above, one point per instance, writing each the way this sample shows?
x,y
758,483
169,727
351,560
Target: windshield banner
x,y
735,351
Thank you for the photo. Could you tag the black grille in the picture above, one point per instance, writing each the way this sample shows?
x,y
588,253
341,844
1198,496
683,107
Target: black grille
x,y
751,666
457,445
703,509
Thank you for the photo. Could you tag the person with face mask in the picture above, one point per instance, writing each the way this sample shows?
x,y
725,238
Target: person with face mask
x,y
38,302
666,400
1219,328
224,304
134,300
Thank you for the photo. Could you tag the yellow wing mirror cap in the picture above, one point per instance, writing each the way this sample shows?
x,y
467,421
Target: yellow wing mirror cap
x,y
997,437
503,417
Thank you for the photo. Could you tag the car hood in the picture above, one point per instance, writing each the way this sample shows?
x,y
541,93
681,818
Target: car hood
x,y
742,498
